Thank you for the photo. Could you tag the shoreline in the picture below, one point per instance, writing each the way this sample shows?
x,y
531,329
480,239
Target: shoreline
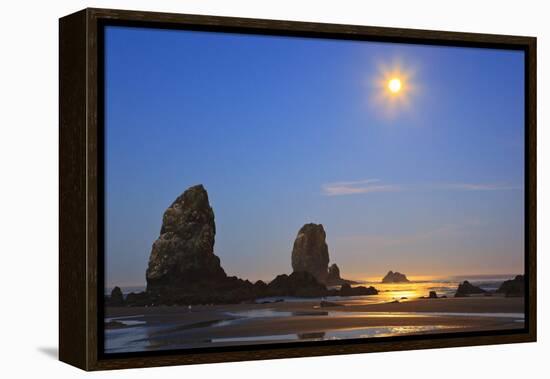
x,y
169,327
480,304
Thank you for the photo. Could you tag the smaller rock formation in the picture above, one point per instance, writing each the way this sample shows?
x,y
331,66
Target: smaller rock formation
x,y
395,277
260,286
513,288
116,299
348,290
334,278
139,299
299,283
466,289
432,295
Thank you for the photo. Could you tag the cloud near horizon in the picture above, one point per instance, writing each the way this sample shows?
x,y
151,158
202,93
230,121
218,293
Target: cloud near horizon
x,y
357,187
374,185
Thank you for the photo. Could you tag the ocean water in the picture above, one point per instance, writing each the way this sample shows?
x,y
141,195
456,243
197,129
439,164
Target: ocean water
x,y
407,291
389,292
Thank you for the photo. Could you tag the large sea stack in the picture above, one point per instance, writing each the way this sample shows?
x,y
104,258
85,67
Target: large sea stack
x,y
310,252
183,255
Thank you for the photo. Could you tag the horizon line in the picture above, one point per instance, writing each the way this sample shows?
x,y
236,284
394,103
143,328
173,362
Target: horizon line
x,y
368,279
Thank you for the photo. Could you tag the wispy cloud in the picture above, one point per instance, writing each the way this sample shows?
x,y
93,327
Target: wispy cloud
x,y
366,186
357,187
355,182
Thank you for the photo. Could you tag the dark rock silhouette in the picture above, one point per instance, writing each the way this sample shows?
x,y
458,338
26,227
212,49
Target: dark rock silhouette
x,y
260,286
467,289
513,288
348,290
395,277
432,295
116,299
334,278
138,299
299,283
183,255
310,252
333,275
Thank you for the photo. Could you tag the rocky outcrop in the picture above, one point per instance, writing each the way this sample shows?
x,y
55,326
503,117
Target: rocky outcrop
x,y
310,252
348,290
140,299
395,277
299,283
513,288
333,276
183,255
432,295
466,289
116,299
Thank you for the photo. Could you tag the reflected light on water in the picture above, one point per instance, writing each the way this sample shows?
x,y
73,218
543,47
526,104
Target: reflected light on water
x,y
410,291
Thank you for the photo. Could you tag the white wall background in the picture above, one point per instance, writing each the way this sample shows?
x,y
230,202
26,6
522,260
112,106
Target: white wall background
x,y
28,189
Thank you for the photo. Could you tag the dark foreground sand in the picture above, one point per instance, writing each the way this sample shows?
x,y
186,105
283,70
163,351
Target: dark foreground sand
x,y
215,325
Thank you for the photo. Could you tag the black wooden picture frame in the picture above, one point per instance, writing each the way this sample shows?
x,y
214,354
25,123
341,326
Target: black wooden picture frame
x,y
81,183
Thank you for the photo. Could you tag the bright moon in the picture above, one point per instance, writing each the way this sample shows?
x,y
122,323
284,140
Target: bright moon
x,y
394,85
393,89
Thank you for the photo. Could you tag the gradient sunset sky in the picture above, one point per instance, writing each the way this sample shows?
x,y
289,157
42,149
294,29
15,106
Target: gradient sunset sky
x,y
285,131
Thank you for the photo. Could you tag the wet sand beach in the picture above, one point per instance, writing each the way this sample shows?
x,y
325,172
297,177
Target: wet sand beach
x,y
163,327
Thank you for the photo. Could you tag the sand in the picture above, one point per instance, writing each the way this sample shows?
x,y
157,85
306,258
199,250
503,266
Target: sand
x,y
208,325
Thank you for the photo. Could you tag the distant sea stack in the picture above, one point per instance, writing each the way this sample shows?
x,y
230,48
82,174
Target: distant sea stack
x,y
116,299
466,289
183,255
395,277
310,252
513,288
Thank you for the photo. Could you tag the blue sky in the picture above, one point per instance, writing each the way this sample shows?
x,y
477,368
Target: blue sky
x,y
284,131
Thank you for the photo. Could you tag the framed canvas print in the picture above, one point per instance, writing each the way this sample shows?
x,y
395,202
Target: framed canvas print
x,y
237,189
